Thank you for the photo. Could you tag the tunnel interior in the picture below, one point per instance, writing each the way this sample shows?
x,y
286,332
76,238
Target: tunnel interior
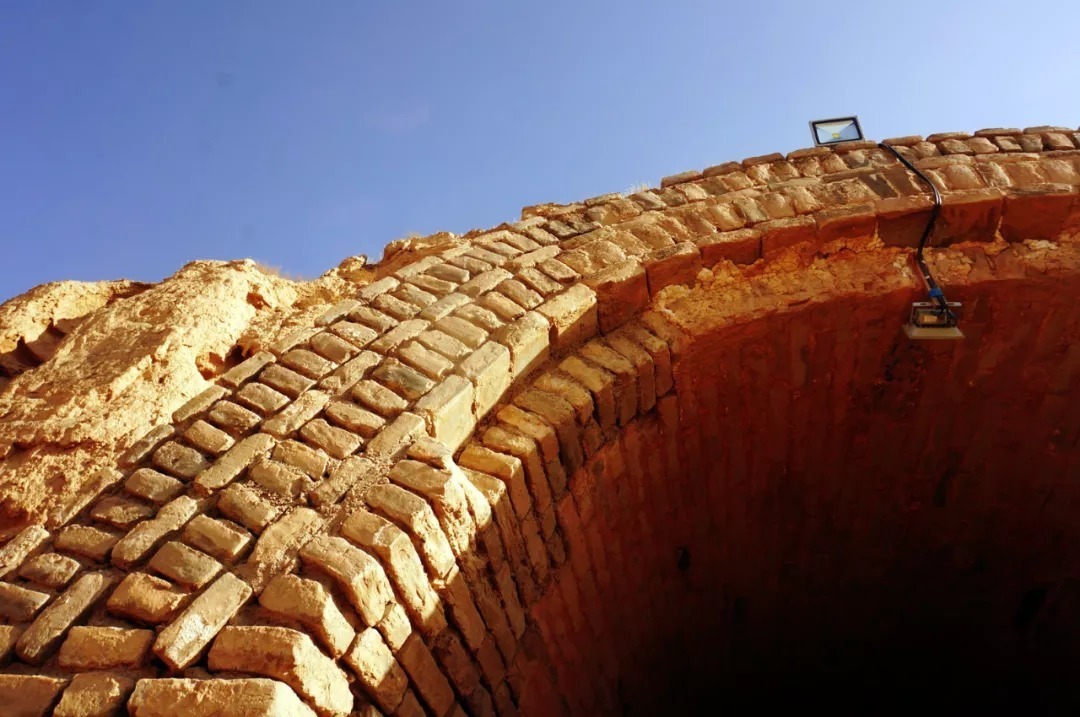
x,y
828,514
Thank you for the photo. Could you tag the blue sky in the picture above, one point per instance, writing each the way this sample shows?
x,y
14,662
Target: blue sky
x,y
138,135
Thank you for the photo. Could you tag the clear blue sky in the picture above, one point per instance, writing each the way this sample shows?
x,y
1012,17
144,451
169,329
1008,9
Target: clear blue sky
x,y
138,135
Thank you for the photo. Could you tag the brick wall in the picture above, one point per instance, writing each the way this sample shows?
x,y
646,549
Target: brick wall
x,y
558,468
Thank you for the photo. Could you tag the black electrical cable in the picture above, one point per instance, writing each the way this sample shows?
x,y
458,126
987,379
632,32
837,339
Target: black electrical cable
x,y
932,288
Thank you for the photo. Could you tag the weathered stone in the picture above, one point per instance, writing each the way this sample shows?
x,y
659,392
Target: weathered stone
x,y
180,644
104,648
43,636
285,655
216,698
380,674
308,602
144,598
358,575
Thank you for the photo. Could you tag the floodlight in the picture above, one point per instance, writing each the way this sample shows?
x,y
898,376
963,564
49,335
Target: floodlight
x,y
934,320
839,129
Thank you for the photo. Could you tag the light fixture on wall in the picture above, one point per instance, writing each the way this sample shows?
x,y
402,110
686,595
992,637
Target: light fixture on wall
x,y
938,317
833,131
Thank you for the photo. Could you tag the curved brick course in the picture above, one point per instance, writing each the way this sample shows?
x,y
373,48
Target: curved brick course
x,y
449,495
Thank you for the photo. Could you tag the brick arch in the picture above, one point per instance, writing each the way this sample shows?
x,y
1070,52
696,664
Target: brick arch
x,y
461,492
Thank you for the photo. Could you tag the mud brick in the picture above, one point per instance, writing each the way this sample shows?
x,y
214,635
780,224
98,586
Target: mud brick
x,y
444,344
642,363
229,466
336,311
356,419
488,368
186,566
395,549
222,539
402,379
572,315
199,404
425,675
237,375
395,307
279,478
444,306
626,390
86,541
181,643
500,305
300,412
505,467
19,604
558,271
332,347
431,364
447,410
210,698
373,319
346,377
377,288
120,512
233,417
392,442
16,550
449,272
296,337
379,673
278,546
310,460
307,363
399,335
529,341
338,442
179,460
480,317
360,576
143,598
244,505
378,398
104,648
416,295
539,282
207,438
44,635
30,695
462,330
51,570
95,694
622,290
146,445
261,398
356,334
484,282
348,473
600,383
286,655
309,603
146,536
417,518
285,380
